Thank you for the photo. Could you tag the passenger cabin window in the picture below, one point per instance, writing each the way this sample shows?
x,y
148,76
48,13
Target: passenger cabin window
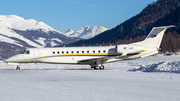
x,y
87,51
53,52
99,51
72,52
57,52
104,51
82,51
62,52
27,52
66,52
77,51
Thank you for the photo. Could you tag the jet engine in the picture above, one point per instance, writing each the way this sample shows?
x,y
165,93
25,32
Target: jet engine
x,y
128,49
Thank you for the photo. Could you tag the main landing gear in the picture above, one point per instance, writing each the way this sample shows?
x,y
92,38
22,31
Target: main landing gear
x,y
17,68
98,67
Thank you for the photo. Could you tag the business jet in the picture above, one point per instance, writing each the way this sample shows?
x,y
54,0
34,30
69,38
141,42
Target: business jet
x,y
94,56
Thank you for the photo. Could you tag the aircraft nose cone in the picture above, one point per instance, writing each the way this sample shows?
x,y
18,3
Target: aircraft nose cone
x,y
15,59
11,59
7,60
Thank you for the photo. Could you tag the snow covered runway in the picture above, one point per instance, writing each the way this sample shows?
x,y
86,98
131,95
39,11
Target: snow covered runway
x,y
46,82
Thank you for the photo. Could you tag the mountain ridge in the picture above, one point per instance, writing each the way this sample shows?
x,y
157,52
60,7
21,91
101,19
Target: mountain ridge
x,y
85,32
21,33
17,32
17,22
160,13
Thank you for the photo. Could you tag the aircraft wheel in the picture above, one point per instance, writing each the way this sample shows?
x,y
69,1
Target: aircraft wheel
x,y
96,67
102,67
17,68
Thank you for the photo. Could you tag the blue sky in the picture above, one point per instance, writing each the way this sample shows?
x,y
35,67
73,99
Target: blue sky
x,y
65,14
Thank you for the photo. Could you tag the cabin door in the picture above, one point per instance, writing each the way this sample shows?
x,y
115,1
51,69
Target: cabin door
x,y
36,54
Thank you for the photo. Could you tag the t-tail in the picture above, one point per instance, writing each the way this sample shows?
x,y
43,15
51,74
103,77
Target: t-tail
x,y
149,46
153,40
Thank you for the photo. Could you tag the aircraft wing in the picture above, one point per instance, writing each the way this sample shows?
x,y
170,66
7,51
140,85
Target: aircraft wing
x,y
93,61
100,60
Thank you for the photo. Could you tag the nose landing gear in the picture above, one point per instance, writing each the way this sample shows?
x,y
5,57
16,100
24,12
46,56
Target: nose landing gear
x,y
17,68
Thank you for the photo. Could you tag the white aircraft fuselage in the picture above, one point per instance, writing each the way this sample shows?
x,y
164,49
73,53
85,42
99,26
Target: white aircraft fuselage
x,y
94,56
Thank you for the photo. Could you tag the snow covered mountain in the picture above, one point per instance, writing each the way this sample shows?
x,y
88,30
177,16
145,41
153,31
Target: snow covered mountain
x,y
85,32
17,31
16,22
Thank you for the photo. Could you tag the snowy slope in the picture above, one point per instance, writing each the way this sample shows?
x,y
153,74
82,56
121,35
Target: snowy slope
x,y
9,36
58,82
30,33
19,23
85,32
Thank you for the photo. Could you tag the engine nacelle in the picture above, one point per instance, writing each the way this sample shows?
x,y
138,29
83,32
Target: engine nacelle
x,y
130,49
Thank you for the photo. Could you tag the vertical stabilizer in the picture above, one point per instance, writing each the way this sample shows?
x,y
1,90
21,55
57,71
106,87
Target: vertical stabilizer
x,y
154,38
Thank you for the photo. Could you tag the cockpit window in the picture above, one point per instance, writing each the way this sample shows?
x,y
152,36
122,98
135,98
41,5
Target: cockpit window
x,y
27,52
23,51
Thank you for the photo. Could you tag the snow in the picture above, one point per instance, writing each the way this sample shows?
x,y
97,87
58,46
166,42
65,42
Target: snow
x,y
6,39
41,40
58,82
19,23
44,42
56,39
85,32
10,22
173,66
53,41
7,34
69,32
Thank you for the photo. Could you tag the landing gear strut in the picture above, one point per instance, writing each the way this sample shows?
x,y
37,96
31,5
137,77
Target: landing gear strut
x,y
17,68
